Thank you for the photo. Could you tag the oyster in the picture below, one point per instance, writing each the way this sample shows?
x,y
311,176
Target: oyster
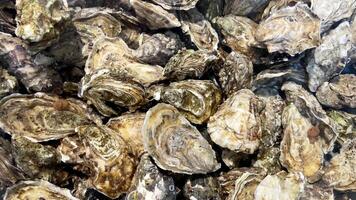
x,y
236,125
236,73
291,30
175,144
109,158
268,159
199,30
14,56
317,191
129,127
330,58
339,93
280,186
345,124
341,172
37,190
150,183
8,83
41,117
202,188
275,5
71,150
244,7
176,5
197,100
301,147
188,64
154,16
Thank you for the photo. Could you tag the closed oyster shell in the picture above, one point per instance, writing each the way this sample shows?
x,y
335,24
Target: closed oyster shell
x,y
301,147
330,58
8,83
176,4
281,186
37,190
290,30
236,125
175,144
197,100
109,158
345,124
188,64
40,117
236,73
339,93
129,127
202,188
154,16
244,7
150,183
200,31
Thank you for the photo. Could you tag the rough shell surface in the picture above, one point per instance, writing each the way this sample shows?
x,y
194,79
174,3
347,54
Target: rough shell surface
x,y
202,188
244,7
176,4
345,124
8,83
317,191
268,159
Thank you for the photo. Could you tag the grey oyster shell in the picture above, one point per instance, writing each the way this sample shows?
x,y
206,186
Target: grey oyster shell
x,y
200,31
268,159
339,93
330,58
37,190
40,117
341,172
290,30
317,191
202,188
301,147
345,124
188,64
175,144
176,4
154,16
197,100
275,5
150,183
236,73
244,7
280,186
237,125
109,158
8,83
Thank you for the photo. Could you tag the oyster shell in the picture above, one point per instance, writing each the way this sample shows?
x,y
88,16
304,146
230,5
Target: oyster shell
x,y
150,183
177,4
188,64
280,186
244,7
275,5
330,58
345,124
129,127
268,159
202,188
301,147
8,83
236,125
291,30
37,190
211,9
154,16
109,158
40,117
317,191
200,31
175,144
339,93
71,150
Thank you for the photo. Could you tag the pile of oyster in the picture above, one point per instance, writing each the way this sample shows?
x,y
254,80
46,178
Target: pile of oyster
x,y
178,99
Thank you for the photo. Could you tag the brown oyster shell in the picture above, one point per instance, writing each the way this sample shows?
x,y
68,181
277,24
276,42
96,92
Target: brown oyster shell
x,y
8,83
188,64
200,31
197,100
330,58
301,147
236,125
37,190
176,4
40,117
71,150
339,93
291,30
109,158
175,144
202,188
129,126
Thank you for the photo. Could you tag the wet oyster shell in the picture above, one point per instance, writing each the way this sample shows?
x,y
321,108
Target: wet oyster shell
x,y
301,147
345,124
175,144
341,172
129,127
150,183
291,30
200,31
176,4
37,190
244,7
109,158
280,186
339,93
202,188
236,125
188,64
8,83
40,117
154,16
330,58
